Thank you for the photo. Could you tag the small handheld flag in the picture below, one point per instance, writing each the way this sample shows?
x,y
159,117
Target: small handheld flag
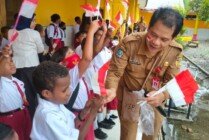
x,y
112,25
125,4
182,88
119,18
90,10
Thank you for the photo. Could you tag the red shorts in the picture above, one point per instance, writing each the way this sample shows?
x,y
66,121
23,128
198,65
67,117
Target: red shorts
x,y
20,121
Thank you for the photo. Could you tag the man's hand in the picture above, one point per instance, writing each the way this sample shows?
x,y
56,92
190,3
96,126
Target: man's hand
x,y
111,94
155,100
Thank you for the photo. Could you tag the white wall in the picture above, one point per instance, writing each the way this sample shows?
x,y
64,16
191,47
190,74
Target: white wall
x,y
203,34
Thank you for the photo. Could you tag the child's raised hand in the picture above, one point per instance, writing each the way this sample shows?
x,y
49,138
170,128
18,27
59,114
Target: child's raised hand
x,y
94,26
104,26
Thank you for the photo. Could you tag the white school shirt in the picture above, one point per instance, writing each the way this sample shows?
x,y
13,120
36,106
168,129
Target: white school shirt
x,y
102,58
89,72
10,98
51,29
82,96
53,122
76,28
26,48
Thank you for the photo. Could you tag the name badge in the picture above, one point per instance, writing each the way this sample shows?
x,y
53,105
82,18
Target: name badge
x,y
155,83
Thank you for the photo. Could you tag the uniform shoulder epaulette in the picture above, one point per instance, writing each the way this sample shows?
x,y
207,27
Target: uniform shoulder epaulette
x,y
132,37
176,45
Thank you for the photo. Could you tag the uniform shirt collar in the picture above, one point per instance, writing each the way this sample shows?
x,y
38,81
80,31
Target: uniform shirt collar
x,y
48,104
7,79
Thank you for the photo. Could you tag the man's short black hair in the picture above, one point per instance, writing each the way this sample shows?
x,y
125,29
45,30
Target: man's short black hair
x,y
6,132
55,17
46,74
169,17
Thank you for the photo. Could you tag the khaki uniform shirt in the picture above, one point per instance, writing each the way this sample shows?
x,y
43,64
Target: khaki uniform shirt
x,y
132,62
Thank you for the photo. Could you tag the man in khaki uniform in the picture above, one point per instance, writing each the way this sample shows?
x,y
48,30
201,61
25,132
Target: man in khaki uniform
x,y
148,61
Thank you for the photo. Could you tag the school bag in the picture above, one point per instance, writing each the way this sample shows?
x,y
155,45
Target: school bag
x,y
47,39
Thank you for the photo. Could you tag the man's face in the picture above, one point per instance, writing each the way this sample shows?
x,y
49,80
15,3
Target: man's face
x,y
158,37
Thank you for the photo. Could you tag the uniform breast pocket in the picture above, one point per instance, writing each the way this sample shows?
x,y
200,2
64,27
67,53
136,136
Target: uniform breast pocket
x,y
136,70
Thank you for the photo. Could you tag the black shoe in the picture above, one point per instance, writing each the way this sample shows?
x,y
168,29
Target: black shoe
x,y
108,121
105,125
113,116
99,134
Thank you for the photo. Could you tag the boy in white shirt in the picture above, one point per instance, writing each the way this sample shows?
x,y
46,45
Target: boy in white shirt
x,y
13,103
52,121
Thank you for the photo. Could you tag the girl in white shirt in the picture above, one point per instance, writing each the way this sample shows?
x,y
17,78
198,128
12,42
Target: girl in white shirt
x,y
25,56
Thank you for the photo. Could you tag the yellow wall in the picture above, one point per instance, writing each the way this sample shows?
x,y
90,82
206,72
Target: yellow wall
x,y
67,9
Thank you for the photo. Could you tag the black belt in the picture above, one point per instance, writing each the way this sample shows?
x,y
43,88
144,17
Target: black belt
x,y
11,112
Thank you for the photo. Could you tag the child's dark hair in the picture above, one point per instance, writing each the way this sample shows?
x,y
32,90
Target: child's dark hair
x,y
55,17
6,132
39,28
5,29
59,55
46,74
62,24
79,33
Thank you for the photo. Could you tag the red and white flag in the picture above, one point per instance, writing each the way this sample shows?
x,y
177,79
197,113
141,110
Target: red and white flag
x,y
101,65
28,8
12,35
90,10
125,3
130,20
107,5
119,18
112,25
182,88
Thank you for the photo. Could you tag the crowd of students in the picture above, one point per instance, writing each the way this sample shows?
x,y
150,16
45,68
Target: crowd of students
x,y
52,91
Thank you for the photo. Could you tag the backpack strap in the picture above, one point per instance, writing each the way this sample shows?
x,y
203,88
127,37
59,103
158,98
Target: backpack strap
x,y
71,102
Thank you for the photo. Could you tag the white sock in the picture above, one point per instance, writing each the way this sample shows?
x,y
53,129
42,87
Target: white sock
x,y
100,117
95,124
108,116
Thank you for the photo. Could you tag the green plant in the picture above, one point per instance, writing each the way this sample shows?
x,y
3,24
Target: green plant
x,y
201,8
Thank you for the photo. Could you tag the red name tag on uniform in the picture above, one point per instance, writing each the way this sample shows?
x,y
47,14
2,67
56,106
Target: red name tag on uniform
x,y
155,83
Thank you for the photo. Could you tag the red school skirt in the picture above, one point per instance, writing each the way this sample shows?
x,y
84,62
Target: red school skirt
x,y
20,121
90,133
113,105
